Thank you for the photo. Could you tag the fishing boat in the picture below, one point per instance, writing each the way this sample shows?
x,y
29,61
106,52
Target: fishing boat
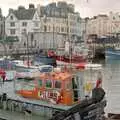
x,y
74,54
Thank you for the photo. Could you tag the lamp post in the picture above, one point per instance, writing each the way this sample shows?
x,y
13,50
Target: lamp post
x,y
45,29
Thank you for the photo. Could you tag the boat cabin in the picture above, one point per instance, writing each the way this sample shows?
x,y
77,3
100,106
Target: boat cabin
x,y
65,87
55,87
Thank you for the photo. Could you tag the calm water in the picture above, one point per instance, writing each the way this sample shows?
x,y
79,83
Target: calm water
x,y
112,85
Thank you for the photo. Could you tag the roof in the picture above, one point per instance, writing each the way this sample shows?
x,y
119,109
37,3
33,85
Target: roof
x,y
56,76
24,14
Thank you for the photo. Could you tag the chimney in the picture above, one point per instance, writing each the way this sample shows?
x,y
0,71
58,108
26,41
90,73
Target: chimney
x,y
10,10
21,8
31,6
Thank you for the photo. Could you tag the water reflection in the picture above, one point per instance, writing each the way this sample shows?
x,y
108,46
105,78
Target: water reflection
x,y
112,85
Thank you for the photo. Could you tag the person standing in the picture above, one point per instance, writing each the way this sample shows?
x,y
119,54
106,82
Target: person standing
x,y
4,101
3,77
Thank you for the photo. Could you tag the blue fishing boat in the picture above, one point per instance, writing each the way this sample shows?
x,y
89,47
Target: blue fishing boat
x,y
112,53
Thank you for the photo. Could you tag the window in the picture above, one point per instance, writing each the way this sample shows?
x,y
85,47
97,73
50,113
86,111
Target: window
x,y
11,17
12,31
62,29
45,28
24,30
24,24
12,24
36,24
39,83
113,17
35,42
57,84
57,29
10,47
48,83
24,44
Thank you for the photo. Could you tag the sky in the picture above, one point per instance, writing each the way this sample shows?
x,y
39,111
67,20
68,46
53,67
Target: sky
x,y
87,8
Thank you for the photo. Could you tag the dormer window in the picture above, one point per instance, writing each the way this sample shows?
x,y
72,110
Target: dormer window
x,y
11,17
113,17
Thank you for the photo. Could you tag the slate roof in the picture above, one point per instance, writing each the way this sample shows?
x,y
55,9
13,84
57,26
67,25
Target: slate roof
x,y
24,14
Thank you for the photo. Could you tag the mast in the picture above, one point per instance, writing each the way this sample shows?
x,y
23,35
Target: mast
x,y
27,50
53,28
45,29
69,40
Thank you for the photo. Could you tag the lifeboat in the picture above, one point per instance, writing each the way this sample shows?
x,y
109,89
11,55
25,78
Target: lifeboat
x,y
61,86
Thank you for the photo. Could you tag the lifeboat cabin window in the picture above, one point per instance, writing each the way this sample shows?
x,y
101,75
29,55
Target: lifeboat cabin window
x,y
58,84
75,89
40,83
29,86
68,85
48,84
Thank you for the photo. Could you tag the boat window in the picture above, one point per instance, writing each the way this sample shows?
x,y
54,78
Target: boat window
x,y
20,79
48,83
68,85
75,91
39,83
28,87
57,84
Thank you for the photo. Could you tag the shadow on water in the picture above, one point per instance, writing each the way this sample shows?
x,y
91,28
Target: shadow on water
x,y
111,70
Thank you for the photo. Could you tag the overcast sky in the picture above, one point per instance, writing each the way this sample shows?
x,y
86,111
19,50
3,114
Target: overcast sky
x,y
85,7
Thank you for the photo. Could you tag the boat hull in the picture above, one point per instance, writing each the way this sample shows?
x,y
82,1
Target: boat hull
x,y
112,54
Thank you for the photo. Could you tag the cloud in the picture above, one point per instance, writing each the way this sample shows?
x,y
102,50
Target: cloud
x,y
94,7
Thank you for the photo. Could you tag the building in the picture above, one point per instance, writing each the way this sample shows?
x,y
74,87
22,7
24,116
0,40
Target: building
x,y
2,32
103,25
43,27
115,22
99,25
1,23
21,23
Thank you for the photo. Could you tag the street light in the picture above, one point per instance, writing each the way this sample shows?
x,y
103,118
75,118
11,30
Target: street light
x,y
45,29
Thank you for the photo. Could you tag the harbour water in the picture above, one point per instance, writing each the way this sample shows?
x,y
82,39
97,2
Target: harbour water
x,y
112,85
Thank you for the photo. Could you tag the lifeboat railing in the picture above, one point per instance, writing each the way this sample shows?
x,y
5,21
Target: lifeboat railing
x,y
86,110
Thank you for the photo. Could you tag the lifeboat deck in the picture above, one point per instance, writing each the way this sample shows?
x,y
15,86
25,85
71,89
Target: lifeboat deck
x,y
8,88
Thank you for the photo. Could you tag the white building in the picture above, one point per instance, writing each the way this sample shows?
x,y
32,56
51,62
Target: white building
x,y
103,25
1,23
98,25
21,23
115,22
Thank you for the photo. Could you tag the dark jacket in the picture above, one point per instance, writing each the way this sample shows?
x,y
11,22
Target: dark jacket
x,y
98,94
